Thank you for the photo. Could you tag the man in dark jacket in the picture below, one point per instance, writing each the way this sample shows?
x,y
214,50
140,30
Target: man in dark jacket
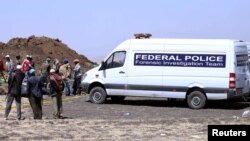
x,y
56,90
34,88
14,92
77,77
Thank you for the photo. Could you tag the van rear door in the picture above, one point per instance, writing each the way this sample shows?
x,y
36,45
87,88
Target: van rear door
x,y
241,58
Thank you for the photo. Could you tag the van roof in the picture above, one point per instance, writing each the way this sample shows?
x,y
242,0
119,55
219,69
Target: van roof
x,y
126,43
184,41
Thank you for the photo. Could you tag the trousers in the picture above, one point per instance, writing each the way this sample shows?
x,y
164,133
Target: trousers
x,y
36,105
10,99
57,105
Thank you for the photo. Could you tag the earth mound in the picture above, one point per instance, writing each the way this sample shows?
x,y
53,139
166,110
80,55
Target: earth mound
x,y
40,48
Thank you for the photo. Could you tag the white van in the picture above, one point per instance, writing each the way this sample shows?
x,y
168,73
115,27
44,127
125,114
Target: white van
x,y
193,69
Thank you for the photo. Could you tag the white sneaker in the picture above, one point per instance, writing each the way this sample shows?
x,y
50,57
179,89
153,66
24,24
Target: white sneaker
x,y
5,118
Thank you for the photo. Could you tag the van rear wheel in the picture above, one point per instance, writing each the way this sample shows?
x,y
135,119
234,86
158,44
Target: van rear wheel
x,y
117,98
196,100
98,95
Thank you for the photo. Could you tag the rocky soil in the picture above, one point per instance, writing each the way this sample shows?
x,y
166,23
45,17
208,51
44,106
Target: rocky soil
x,y
139,119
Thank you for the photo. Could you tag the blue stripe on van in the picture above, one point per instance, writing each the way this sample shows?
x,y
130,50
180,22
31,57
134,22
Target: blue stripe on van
x,y
161,88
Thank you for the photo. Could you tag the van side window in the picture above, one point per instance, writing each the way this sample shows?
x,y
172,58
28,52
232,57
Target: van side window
x,y
117,59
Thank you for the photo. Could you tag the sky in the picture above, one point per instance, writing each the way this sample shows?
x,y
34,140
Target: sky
x,y
94,27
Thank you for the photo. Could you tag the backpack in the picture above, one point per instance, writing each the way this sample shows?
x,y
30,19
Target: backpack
x,y
59,82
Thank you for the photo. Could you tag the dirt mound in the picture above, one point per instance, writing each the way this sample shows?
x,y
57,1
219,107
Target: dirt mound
x,y
40,48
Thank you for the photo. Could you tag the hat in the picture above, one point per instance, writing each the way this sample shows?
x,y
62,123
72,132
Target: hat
x,y
48,59
7,56
52,71
18,67
32,71
27,56
76,61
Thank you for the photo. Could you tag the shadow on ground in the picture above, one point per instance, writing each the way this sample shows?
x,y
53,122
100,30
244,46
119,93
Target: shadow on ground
x,y
220,104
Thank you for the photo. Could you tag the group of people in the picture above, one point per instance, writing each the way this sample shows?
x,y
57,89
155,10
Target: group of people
x,y
52,79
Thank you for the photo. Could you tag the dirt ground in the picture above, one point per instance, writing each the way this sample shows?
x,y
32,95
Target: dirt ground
x,y
142,119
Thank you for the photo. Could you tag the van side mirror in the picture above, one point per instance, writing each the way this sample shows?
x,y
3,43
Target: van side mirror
x,y
103,66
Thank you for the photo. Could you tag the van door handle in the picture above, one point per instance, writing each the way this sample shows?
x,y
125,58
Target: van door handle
x,y
121,72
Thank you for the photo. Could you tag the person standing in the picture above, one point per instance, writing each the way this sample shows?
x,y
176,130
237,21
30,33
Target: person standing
x,y
34,88
14,92
55,64
18,61
77,77
56,89
65,70
45,71
26,65
2,69
32,63
9,66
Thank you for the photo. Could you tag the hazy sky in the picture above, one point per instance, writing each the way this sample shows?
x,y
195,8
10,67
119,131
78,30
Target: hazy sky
x,y
95,27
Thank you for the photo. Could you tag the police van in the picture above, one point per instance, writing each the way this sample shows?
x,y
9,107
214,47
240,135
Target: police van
x,y
196,70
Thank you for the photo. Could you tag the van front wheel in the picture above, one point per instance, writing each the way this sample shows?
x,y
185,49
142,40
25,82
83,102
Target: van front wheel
x,y
98,95
196,100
